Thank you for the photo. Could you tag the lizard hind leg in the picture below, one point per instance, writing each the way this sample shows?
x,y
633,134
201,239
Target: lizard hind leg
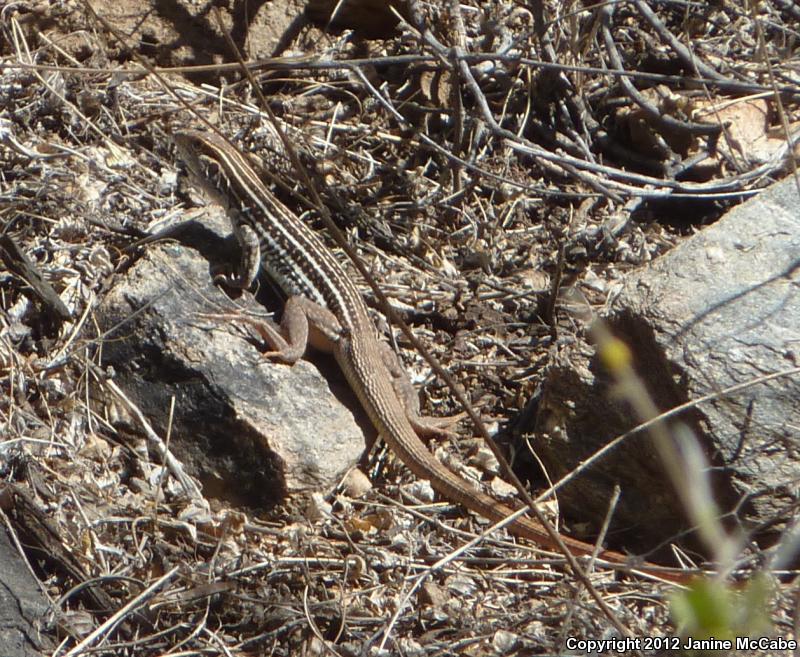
x,y
425,427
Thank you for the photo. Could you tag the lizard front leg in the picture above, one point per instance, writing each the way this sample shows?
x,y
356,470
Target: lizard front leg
x,y
303,322
250,261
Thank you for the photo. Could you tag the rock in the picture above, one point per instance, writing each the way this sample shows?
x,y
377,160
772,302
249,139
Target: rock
x,y
722,309
251,430
24,610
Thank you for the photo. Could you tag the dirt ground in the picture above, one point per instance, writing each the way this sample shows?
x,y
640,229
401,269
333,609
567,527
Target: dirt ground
x,y
485,194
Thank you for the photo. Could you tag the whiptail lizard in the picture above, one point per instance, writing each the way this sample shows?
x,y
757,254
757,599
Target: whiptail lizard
x,y
325,308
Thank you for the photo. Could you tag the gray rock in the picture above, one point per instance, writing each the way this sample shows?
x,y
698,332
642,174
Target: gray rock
x,y
24,610
720,310
250,429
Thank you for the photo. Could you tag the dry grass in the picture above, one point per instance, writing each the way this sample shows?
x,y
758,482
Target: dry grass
x,y
469,184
